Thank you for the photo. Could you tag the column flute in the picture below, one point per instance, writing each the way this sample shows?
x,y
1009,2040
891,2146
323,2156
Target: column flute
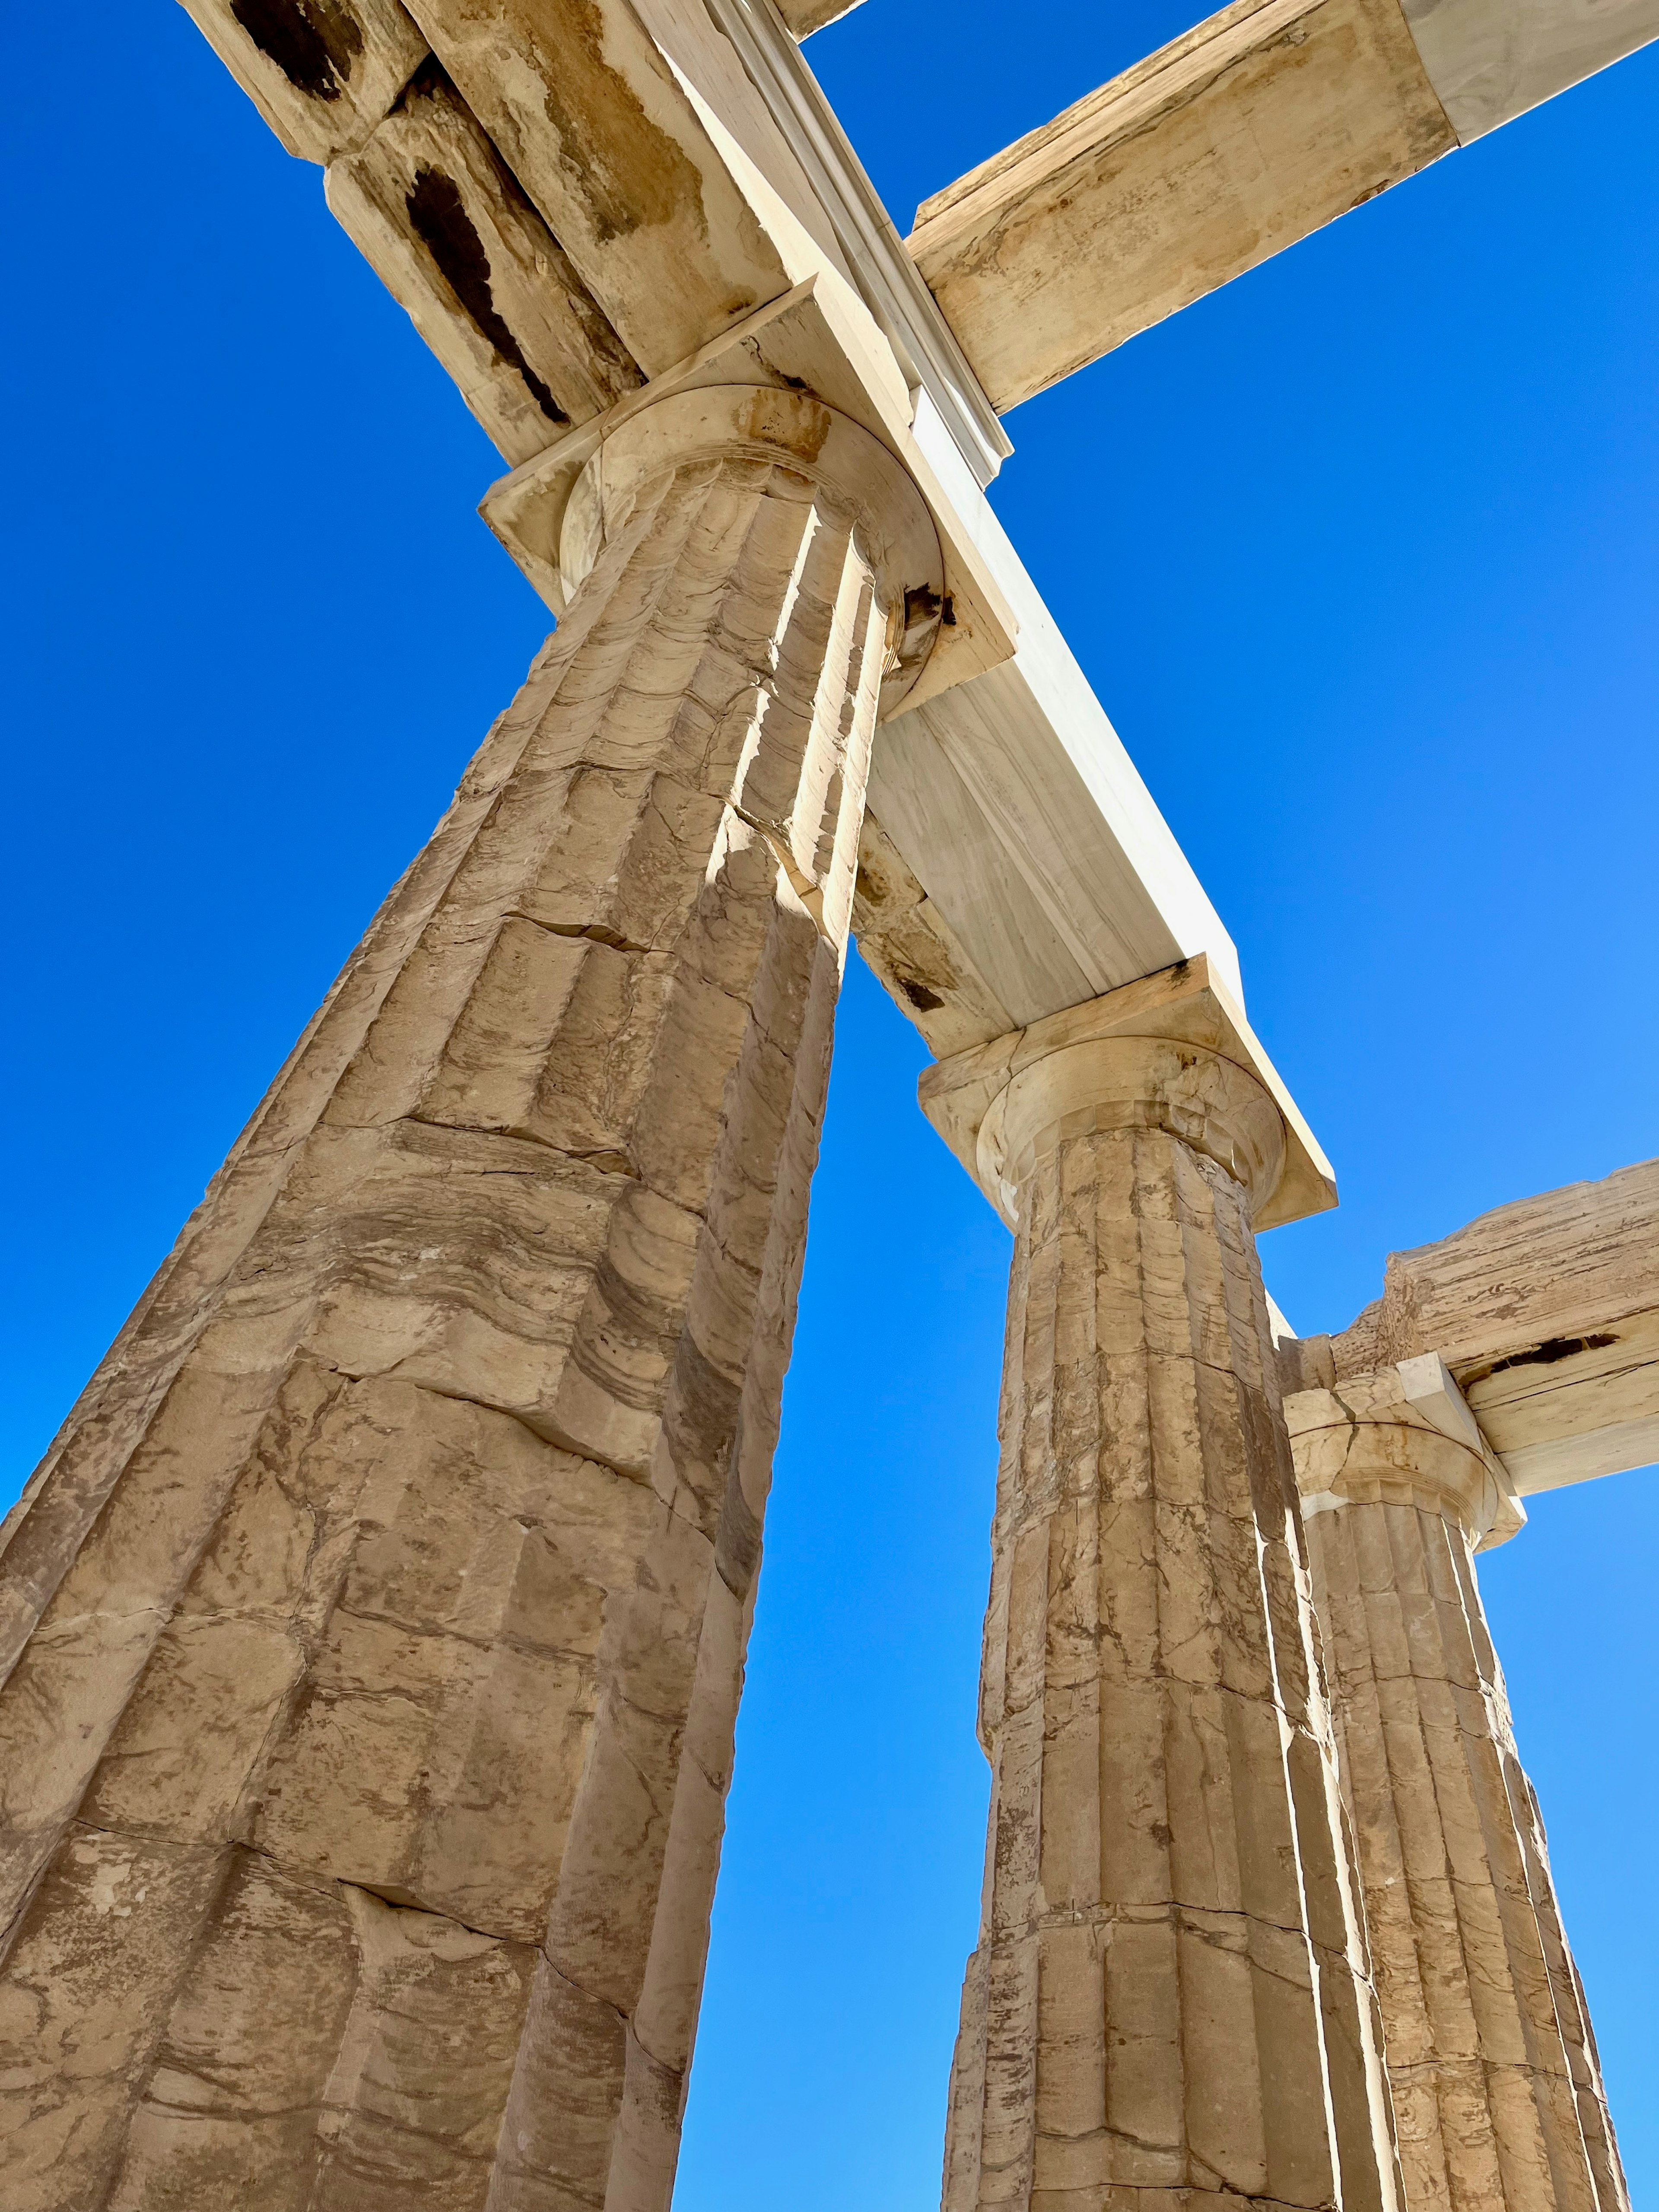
x,y
1497,2087
1170,2004
376,1628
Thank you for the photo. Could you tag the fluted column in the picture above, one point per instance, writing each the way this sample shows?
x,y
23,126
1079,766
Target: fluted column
x,y
373,1632
1497,2090
1169,2006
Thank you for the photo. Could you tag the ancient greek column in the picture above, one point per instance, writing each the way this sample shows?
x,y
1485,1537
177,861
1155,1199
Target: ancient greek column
x,y
373,1632
1497,2090
1170,2004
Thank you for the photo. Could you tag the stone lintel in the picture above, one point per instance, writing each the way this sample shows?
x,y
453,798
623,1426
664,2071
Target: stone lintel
x,y
1546,1314
1492,60
1248,132
321,81
1185,1007
1262,124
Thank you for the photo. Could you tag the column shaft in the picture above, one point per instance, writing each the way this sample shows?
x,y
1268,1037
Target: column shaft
x,y
1169,2006
1497,2089
374,1629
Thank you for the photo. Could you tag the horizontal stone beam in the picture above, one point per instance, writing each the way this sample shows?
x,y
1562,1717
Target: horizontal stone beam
x,y
1265,123
802,17
1546,1312
556,223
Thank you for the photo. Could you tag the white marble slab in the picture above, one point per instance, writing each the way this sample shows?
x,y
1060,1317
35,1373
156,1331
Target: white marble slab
x,y
1490,60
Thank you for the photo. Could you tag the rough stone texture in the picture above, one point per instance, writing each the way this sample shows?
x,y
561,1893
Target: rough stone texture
x,y
608,144
909,947
445,225
322,73
374,1632
1545,1312
1497,2090
1168,2005
1223,148
805,17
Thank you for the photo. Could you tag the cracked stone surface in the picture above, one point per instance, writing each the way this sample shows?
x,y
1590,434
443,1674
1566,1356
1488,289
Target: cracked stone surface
x,y
1497,2089
1169,2005
373,1635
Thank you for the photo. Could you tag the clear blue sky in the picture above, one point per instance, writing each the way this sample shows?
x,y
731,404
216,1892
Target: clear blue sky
x,y
1361,554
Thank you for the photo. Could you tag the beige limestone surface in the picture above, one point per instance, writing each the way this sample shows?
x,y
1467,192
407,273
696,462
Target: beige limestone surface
x,y
1497,2094
805,17
1270,119
1546,1312
1170,2004
322,73
373,1634
436,210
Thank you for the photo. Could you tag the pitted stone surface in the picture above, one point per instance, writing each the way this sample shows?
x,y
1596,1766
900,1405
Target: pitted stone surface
x,y
1170,2004
376,1627
1498,2092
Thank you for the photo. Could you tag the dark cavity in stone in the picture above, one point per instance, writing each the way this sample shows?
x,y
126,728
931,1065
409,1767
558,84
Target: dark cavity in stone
x,y
313,42
1556,1347
445,228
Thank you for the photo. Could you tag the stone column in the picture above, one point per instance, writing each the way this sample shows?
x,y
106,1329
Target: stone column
x,y
1170,2004
1497,2090
373,1632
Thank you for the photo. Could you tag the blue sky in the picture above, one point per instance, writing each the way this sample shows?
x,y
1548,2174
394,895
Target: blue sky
x,y
1361,554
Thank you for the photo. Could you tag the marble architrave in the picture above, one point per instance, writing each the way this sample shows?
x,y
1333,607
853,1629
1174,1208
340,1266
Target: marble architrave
x,y
373,1632
1546,1312
1258,126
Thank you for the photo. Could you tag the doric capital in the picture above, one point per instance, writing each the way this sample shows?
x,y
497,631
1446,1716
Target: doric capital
x,y
1402,1436
794,431
1170,1051
807,359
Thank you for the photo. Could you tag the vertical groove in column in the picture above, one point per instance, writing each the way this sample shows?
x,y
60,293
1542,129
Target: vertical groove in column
x,y
377,1622
1497,2089
1170,2004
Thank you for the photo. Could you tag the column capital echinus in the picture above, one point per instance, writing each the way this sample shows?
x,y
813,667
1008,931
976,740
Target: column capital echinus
x,y
586,509
1402,1436
1169,1051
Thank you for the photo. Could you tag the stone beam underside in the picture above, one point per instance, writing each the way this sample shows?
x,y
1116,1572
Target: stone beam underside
x,y
1545,1313
581,207
1267,121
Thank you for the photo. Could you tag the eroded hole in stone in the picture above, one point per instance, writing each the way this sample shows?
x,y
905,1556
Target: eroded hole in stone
x,y
449,235
313,42
1557,1347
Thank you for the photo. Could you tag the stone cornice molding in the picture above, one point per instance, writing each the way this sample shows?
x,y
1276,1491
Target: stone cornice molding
x,y
795,431
1395,1438
1170,1051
